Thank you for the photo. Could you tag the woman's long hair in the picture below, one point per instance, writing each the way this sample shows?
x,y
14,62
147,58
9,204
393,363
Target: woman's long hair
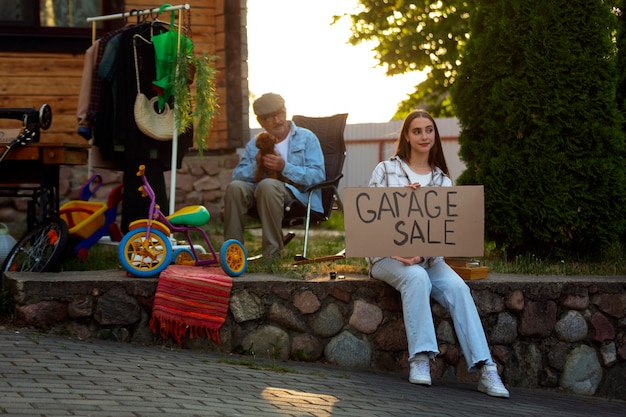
x,y
436,157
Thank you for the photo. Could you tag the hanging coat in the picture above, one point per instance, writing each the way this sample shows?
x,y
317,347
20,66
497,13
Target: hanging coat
x,y
117,134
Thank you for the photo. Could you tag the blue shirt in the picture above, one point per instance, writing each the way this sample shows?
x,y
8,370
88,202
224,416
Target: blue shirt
x,y
304,165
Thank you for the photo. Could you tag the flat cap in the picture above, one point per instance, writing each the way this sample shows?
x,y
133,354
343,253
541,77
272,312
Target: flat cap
x,y
267,104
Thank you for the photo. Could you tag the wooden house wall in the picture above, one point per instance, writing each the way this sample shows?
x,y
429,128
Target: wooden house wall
x,y
32,79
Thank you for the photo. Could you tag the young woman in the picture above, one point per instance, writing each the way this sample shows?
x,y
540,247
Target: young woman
x,y
419,162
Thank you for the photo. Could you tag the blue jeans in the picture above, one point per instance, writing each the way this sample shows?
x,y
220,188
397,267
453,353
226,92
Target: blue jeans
x,y
417,284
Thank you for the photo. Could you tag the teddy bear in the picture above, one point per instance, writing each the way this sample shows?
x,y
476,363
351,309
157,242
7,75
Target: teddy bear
x,y
265,142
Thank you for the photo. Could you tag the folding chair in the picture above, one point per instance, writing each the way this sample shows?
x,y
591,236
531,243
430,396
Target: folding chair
x,y
330,132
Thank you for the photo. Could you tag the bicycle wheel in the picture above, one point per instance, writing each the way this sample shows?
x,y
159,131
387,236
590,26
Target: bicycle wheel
x,y
183,257
145,256
233,258
39,249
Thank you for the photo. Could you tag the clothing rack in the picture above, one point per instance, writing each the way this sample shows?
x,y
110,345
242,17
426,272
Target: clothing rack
x,y
138,13
93,20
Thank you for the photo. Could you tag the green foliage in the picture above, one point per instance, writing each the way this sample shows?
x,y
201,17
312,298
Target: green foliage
x,y
206,99
611,262
621,56
432,95
240,350
334,222
301,355
535,98
198,110
416,36
100,258
276,351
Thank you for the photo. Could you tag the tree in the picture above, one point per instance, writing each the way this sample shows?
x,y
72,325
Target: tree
x,y
620,10
416,36
541,130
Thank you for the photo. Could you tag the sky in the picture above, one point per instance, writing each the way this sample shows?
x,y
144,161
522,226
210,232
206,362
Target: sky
x,y
293,50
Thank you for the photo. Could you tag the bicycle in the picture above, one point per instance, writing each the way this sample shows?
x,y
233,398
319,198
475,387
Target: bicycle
x,y
46,237
146,249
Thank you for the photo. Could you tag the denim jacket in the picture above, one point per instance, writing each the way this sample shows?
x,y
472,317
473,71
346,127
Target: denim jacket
x,y
390,173
304,165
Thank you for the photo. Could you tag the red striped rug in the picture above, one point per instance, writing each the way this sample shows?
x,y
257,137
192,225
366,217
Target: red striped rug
x,y
190,301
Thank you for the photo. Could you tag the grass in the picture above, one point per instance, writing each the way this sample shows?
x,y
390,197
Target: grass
x,y
328,239
613,262
100,257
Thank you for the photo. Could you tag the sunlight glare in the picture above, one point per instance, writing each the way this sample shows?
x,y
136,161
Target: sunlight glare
x,y
293,50
318,404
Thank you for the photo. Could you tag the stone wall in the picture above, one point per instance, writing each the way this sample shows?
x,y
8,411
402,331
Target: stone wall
x,y
545,332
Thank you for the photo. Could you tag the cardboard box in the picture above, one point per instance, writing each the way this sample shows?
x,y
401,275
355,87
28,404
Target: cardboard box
x,y
469,274
468,269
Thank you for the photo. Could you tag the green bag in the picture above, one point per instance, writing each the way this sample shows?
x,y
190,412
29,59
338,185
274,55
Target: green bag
x,y
166,53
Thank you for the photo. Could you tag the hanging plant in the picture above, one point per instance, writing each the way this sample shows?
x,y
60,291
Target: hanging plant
x,y
177,67
206,100
199,110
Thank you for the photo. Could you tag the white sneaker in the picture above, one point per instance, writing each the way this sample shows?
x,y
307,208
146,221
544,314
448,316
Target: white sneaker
x,y
419,370
490,382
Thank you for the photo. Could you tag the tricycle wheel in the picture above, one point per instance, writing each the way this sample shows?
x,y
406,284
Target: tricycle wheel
x,y
183,257
145,255
233,258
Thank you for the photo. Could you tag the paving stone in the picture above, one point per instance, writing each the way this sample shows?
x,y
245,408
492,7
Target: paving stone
x,y
51,376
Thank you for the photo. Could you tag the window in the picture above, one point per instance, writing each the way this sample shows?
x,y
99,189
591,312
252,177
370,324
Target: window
x,y
52,25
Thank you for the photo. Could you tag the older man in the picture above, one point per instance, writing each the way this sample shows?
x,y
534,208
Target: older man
x,y
298,157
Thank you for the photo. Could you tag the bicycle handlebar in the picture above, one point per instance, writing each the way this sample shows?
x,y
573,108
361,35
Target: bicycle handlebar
x,y
145,189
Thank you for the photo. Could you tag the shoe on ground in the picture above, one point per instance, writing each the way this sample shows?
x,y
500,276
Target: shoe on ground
x,y
490,382
419,370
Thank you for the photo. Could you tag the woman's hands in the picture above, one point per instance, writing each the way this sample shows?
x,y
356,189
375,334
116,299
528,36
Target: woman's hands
x,y
409,261
413,186
416,259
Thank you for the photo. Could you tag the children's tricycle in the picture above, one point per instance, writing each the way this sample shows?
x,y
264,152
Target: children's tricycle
x,y
147,249
89,221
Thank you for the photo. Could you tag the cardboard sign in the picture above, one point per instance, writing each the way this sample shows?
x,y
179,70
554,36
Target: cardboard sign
x,y
429,221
